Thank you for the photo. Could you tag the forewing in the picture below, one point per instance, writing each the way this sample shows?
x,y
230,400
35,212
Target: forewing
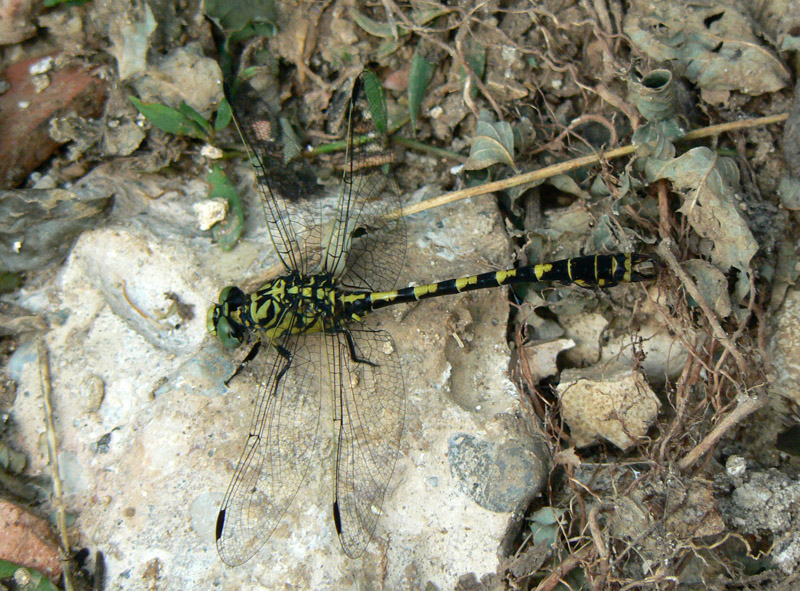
x,y
282,440
370,411
378,248
365,246
286,186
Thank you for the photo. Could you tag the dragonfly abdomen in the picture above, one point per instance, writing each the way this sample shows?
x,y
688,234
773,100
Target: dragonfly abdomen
x,y
589,271
602,270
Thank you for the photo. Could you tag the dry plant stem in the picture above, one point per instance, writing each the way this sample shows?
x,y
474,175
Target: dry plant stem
x,y
569,563
575,123
734,125
664,250
762,332
521,179
390,19
599,582
746,407
689,338
456,56
563,167
61,520
663,210
532,400
751,308
597,534
601,9
652,579
579,498
427,149
739,331
612,99
139,311
689,375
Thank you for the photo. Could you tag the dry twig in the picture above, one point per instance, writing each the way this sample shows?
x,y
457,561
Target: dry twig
x,y
52,450
665,251
747,406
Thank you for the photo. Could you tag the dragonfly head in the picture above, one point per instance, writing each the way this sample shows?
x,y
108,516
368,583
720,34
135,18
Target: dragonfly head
x,y
223,320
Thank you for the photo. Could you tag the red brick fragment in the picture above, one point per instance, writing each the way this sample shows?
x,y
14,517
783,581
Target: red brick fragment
x,y
28,541
25,114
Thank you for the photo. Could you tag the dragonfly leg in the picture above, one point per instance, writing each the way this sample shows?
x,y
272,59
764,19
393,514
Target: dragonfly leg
x,y
351,345
250,356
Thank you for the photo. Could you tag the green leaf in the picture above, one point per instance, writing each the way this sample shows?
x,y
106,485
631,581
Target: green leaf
x,y
387,47
475,54
476,58
169,119
188,112
420,75
422,16
51,3
38,582
567,184
545,525
9,282
377,101
494,144
228,231
249,72
236,15
547,515
224,116
375,28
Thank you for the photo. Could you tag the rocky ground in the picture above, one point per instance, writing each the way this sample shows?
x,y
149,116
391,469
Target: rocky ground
x,y
642,436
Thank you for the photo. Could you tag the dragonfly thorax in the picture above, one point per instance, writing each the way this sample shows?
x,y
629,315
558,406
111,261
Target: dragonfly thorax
x,y
292,304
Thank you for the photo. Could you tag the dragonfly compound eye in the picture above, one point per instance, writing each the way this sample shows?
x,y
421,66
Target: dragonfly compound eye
x,y
231,296
229,334
219,320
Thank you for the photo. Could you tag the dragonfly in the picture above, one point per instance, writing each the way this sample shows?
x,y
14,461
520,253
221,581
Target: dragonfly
x,y
317,355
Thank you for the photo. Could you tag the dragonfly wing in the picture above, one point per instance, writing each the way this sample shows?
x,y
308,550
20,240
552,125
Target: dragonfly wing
x,y
365,246
370,411
281,442
378,248
284,183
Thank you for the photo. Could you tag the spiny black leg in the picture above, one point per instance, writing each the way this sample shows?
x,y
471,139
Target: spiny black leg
x,y
352,346
283,352
250,356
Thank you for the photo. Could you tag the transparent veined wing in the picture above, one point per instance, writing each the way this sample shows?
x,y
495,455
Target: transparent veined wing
x,y
365,245
369,413
287,187
356,238
282,441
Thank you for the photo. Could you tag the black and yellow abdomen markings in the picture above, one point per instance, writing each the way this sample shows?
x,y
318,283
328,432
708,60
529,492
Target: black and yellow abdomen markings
x,y
589,271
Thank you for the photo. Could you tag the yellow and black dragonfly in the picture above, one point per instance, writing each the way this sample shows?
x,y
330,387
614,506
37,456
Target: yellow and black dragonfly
x,y
340,264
